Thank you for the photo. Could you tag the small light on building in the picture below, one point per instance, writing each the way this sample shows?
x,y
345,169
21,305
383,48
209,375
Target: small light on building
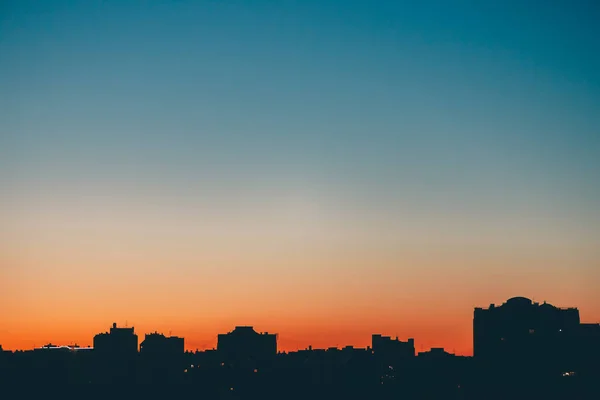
x,y
185,370
255,370
231,389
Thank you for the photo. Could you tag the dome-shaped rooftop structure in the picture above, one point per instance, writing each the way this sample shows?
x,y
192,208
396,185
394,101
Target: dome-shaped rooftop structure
x,y
519,301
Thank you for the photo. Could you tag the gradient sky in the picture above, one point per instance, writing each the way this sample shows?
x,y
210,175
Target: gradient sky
x,y
321,169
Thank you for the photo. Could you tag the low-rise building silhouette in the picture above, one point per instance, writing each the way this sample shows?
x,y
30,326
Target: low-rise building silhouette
x,y
157,343
392,351
244,344
52,347
435,353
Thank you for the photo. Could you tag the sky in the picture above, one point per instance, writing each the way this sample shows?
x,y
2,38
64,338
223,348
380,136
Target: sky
x,y
323,169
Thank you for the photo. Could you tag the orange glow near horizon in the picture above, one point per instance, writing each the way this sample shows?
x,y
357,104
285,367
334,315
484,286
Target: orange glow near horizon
x,y
315,276
453,333
200,340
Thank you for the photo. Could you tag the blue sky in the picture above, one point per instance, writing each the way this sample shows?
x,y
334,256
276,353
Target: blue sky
x,y
342,89
440,118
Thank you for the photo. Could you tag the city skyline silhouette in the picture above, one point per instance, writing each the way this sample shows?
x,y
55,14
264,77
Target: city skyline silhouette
x,y
75,345
323,170
521,349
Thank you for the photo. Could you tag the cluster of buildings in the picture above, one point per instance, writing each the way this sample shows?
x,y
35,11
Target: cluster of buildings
x,y
519,337
518,328
121,340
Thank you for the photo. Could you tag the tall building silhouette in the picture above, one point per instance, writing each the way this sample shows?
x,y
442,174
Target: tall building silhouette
x,y
588,348
116,355
117,341
161,358
523,330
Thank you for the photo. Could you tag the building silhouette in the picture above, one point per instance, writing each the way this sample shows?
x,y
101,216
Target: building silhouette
x,y
244,344
161,359
55,348
115,354
587,347
523,330
159,344
392,351
435,353
117,341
